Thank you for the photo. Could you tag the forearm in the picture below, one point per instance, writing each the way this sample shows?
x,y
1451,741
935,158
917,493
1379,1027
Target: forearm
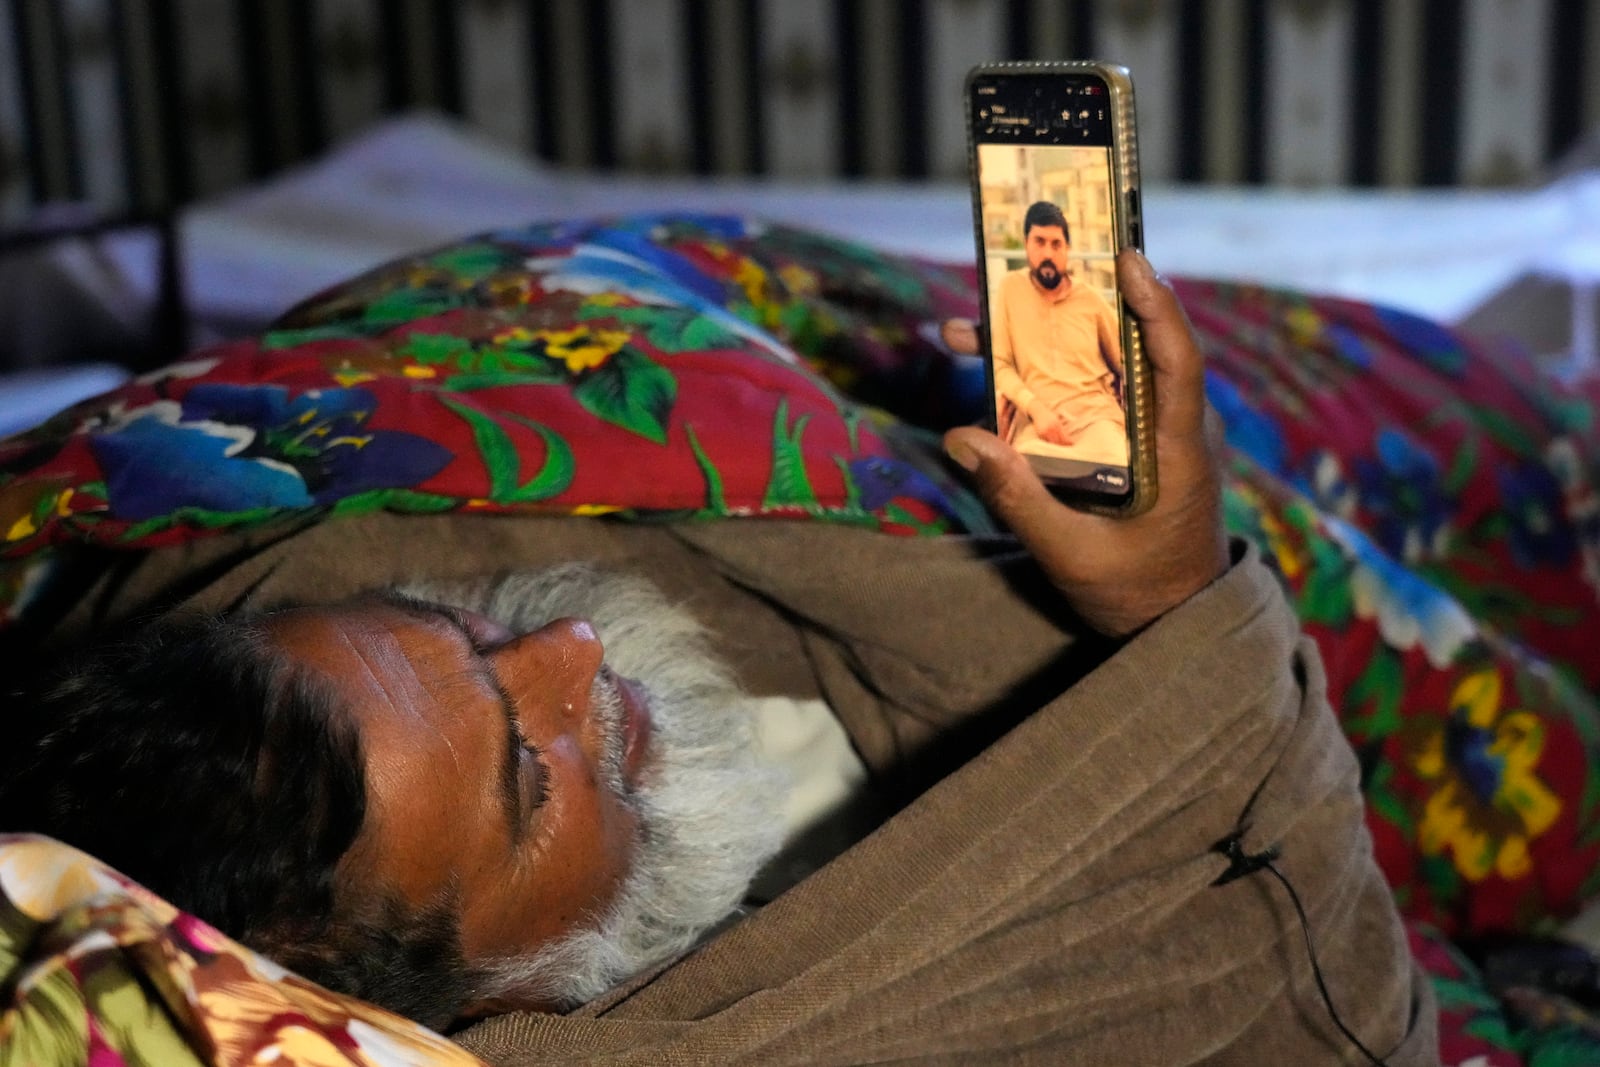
x,y
1008,382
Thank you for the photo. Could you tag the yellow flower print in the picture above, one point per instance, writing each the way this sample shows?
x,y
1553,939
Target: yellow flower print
x,y
1289,561
43,878
1305,325
1285,552
752,278
20,506
259,1014
240,1007
516,334
509,290
1489,803
798,280
581,347
422,275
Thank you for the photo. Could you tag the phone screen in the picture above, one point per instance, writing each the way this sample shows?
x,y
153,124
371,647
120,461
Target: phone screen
x,y
1045,186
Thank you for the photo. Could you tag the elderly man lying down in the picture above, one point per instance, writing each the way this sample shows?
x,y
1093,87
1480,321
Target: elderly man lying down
x,y
777,791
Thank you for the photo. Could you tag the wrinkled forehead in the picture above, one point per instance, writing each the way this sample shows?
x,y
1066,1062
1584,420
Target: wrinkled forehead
x,y
379,657
326,637
428,733
367,623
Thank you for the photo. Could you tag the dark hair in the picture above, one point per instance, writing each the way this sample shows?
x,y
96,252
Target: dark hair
x,y
1044,213
196,759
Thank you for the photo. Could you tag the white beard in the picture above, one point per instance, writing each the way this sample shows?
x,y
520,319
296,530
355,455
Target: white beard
x,y
710,811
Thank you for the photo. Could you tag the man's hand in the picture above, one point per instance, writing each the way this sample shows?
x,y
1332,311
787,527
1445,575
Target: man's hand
x,y
1047,424
1120,574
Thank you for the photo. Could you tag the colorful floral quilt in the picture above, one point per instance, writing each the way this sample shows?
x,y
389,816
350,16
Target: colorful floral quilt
x,y
99,970
1429,500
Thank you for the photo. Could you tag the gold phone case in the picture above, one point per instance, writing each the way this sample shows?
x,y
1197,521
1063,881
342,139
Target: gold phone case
x,y
1127,223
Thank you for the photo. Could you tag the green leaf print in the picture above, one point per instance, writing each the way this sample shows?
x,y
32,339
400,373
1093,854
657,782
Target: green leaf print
x,y
852,491
1569,1048
670,329
408,500
1326,596
897,514
132,1020
1507,433
632,391
852,416
1441,879
1573,414
1457,994
199,518
338,331
1379,685
434,349
1493,1030
483,365
471,383
1461,468
715,500
16,933
1382,799
48,1023
406,305
789,485
503,463
470,262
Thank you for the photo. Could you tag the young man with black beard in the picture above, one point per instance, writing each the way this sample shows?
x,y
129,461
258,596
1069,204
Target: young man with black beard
x,y
537,799
1057,352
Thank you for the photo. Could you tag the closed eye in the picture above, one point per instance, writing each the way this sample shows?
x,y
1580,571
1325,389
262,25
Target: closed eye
x,y
540,791
519,805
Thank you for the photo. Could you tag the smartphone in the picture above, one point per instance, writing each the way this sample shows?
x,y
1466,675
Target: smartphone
x,y
1055,197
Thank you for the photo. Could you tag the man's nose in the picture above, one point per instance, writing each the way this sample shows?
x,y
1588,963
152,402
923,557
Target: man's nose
x,y
553,667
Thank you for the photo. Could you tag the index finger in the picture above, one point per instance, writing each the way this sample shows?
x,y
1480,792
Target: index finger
x,y
1169,342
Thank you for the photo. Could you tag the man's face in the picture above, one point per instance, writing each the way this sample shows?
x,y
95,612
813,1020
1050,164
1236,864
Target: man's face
x,y
583,827
496,765
1047,255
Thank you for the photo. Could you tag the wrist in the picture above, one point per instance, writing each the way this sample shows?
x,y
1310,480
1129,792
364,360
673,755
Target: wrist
x,y
1120,610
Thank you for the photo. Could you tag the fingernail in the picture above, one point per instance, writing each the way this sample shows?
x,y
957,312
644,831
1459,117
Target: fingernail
x,y
964,456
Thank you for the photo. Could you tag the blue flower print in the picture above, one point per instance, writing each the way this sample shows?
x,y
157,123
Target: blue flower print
x,y
232,448
1402,487
1347,344
1539,532
880,480
609,264
1424,340
1409,610
1250,431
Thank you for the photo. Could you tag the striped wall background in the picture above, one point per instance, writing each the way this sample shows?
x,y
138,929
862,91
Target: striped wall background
x,y
139,105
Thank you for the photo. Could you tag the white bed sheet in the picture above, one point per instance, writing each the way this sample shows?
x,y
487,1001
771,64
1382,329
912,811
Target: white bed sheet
x,y
423,180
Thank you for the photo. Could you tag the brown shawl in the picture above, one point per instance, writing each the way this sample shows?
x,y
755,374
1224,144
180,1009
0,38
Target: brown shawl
x,y
1048,898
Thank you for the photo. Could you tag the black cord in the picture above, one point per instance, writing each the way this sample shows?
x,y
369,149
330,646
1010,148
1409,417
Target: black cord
x,y
1244,864
1316,968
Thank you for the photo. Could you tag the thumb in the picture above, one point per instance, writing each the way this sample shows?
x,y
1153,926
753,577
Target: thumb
x,y
1006,483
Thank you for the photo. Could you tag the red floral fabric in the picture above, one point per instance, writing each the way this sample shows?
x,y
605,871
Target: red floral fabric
x,y
1429,501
